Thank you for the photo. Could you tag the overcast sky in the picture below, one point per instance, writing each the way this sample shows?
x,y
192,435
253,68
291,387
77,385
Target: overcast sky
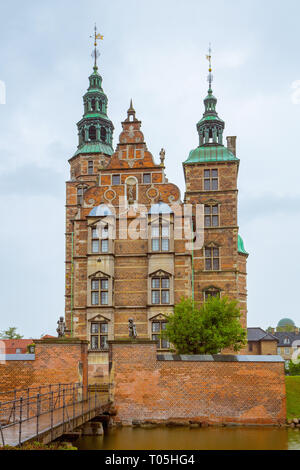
x,y
153,52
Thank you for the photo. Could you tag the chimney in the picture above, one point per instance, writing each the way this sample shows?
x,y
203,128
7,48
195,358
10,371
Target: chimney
x,y
231,144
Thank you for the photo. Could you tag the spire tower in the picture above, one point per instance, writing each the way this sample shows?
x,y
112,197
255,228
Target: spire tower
x,y
95,129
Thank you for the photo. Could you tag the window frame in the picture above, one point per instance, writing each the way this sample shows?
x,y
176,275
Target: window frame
x,y
211,215
209,177
99,291
160,290
212,258
99,334
159,340
160,238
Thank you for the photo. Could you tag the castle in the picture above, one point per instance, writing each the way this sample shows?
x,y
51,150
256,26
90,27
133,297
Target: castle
x,y
124,258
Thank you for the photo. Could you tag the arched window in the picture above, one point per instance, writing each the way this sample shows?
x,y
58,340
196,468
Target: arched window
x,y
93,104
103,134
92,133
83,135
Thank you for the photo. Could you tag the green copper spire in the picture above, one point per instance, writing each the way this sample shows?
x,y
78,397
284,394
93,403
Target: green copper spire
x,y
210,129
95,129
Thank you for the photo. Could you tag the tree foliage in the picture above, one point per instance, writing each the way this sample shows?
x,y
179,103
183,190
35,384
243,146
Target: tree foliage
x,y
11,333
205,329
293,369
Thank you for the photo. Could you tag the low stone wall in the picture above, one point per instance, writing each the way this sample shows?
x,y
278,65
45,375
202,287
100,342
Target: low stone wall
x,y
55,361
208,389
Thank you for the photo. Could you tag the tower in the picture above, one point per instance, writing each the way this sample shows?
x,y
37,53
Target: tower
x,y
211,173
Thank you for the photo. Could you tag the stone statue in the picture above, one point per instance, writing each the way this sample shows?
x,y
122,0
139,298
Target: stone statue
x,y
132,328
61,329
162,156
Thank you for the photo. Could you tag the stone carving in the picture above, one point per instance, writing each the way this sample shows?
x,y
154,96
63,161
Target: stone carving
x,y
162,155
61,329
132,328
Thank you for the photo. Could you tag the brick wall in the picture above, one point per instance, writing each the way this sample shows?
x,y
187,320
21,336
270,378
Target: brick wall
x,y
56,361
146,388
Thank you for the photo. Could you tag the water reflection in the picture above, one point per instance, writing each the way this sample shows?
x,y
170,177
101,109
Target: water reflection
x,y
236,438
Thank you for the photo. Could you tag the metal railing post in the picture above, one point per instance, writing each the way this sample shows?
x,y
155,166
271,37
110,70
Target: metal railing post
x,y
14,408
27,403
20,420
73,402
64,409
51,416
37,414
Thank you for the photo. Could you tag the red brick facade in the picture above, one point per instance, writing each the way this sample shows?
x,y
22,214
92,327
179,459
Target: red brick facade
x,y
214,392
56,361
129,265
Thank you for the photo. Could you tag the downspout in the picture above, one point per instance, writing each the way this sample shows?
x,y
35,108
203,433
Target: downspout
x,y
72,276
193,277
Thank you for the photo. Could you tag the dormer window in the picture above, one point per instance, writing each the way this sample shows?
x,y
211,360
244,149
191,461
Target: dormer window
x,y
286,341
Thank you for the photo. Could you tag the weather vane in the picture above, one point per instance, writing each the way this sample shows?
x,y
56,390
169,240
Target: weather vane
x,y
96,53
210,75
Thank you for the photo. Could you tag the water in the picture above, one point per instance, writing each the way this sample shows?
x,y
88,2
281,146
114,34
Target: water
x,y
181,438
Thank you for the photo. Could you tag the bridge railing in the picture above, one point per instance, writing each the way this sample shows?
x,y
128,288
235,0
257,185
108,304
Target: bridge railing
x,y
47,406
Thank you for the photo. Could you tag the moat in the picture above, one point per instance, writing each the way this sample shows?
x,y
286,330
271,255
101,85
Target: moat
x,y
181,438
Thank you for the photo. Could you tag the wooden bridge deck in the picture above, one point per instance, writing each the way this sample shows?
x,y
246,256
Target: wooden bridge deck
x,y
63,420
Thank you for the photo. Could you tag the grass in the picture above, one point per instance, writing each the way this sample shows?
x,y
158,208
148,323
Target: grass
x,y
293,396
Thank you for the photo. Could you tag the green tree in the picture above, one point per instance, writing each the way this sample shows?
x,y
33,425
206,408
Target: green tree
x,y
292,369
10,333
205,329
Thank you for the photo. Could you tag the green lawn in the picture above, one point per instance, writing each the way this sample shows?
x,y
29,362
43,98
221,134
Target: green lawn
x,y
293,396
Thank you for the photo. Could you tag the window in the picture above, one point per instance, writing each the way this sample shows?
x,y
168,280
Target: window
x,y
90,167
103,134
287,351
211,292
250,347
95,240
212,259
160,237
160,290
147,178
92,133
80,192
211,215
18,351
211,180
93,104
99,335
99,291
279,351
115,179
157,328
100,106
286,341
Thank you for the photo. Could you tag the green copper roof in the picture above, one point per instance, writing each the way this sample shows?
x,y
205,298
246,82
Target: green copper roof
x,y
286,322
210,118
241,248
94,147
210,154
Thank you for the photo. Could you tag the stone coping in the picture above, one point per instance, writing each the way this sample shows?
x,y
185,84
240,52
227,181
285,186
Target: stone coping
x,y
132,341
17,357
218,358
64,340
